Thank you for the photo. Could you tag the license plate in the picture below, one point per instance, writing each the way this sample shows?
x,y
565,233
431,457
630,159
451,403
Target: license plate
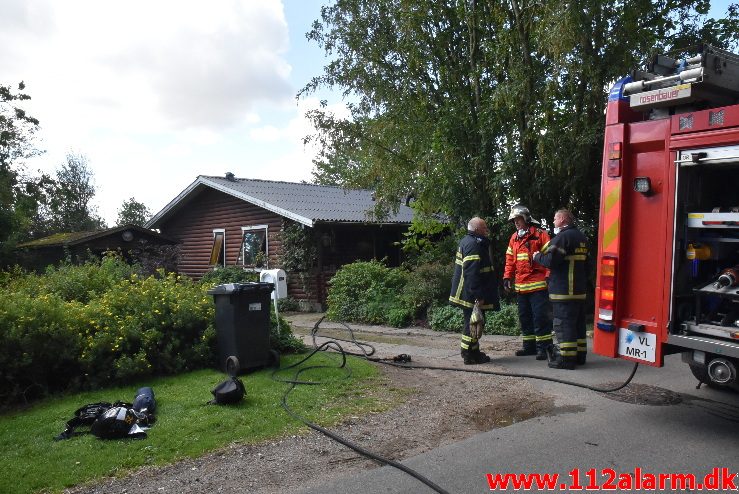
x,y
255,306
637,345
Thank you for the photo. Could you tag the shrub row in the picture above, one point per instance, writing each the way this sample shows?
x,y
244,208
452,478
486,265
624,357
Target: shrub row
x,y
371,293
449,318
79,327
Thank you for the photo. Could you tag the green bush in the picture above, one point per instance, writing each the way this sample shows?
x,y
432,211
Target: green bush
x,y
445,317
400,317
504,321
39,349
147,326
283,340
230,274
427,284
80,327
364,292
288,305
449,318
74,282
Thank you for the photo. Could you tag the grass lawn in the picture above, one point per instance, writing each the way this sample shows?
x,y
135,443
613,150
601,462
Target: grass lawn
x,y
186,427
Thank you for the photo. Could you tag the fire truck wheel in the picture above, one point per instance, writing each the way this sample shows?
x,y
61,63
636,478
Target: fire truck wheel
x,y
700,372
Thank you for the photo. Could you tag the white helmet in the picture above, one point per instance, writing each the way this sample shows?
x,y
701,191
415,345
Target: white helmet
x,y
522,211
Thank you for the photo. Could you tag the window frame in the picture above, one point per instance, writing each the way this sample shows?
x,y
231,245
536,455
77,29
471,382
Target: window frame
x,y
216,264
245,229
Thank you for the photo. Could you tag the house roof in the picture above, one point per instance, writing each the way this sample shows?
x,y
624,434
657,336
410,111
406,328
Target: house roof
x,y
305,203
76,238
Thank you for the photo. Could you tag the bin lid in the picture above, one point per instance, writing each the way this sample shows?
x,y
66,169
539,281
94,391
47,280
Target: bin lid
x,y
229,288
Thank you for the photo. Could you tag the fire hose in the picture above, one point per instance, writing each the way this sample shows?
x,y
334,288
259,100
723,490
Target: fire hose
x,y
402,361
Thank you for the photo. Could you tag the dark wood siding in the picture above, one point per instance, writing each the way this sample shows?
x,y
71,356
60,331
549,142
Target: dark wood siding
x,y
339,244
193,227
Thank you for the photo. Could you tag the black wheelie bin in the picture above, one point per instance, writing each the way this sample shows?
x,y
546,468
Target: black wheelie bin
x,y
242,326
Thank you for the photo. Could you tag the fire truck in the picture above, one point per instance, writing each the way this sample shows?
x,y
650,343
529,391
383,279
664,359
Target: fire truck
x,y
668,243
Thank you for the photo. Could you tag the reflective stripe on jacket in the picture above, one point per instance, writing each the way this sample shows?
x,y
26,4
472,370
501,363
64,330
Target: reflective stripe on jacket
x,y
474,277
565,255
527,275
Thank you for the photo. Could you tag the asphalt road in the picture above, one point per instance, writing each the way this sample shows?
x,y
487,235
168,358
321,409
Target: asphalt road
x,y
683,430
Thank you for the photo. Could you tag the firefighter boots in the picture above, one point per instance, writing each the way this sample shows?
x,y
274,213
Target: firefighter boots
x,y
541,352
562,363
558,361
529,347
473,357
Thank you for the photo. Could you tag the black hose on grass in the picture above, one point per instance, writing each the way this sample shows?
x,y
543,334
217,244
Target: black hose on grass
x,y
369,454
385,361
334,345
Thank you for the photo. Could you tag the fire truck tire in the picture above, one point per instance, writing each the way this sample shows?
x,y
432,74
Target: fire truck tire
x,y
700,372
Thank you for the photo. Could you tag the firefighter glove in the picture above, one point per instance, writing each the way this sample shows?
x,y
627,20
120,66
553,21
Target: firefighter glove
x,y
477,322
507,285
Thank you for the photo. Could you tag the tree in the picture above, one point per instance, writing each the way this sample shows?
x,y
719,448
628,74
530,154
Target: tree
x,y
70,207
133,212
20,194
472,105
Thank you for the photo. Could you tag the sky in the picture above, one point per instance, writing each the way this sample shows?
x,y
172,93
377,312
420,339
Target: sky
x,y
156,92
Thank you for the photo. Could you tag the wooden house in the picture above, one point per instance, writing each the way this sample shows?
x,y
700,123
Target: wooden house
x,y
228,221
131,241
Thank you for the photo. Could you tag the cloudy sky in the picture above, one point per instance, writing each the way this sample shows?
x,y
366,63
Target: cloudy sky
x,y
154,93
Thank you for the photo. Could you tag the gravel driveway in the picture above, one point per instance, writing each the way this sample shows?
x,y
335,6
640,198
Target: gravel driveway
x,y
440,407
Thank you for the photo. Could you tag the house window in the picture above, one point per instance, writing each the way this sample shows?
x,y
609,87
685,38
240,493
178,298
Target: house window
x,y
254,246
218,251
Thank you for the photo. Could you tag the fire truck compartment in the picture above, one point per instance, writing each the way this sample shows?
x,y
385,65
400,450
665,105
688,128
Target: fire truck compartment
x,y
705,281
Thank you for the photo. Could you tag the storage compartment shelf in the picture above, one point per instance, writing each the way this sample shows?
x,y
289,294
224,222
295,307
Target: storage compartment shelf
x,y
724,291
713,220
726,332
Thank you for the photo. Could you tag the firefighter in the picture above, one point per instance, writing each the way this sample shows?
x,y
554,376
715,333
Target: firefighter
x,y
566,255
529,280
473,281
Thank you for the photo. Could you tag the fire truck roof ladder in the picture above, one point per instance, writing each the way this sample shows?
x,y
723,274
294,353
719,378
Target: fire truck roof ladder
x,y
709,78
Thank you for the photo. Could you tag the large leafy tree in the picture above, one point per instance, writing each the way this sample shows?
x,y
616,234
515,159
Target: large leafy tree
x,y
70,207
471,105
20,194
133,212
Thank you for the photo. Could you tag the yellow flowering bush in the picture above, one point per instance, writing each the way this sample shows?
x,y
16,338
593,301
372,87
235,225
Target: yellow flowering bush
x,y
102,323
84,326
39,349
147,326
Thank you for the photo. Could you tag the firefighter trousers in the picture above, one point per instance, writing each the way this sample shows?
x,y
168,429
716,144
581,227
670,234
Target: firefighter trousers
x,y
533,314
569,326
469,345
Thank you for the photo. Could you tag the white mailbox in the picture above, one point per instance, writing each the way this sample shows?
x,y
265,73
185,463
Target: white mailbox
x,y
278,278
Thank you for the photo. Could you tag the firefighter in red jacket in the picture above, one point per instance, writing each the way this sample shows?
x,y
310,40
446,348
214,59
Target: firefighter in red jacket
x,y
529,280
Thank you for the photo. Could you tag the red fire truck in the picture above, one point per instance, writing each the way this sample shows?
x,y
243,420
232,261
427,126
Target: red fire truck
x,y
668,243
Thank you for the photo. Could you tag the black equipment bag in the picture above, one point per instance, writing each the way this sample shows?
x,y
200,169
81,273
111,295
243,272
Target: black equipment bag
x,y
228,392
118,422
107,424
85,416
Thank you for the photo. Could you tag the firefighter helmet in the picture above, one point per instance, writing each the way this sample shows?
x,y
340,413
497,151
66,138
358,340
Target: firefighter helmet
x,y
522,211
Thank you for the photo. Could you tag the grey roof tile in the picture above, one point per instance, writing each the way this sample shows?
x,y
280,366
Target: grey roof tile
x,y
307,203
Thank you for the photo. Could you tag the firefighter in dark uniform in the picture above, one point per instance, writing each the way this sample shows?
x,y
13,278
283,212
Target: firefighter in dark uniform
x,y
474,281
565,255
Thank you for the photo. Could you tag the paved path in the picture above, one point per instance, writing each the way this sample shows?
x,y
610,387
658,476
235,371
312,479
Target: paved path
x,y
692,431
